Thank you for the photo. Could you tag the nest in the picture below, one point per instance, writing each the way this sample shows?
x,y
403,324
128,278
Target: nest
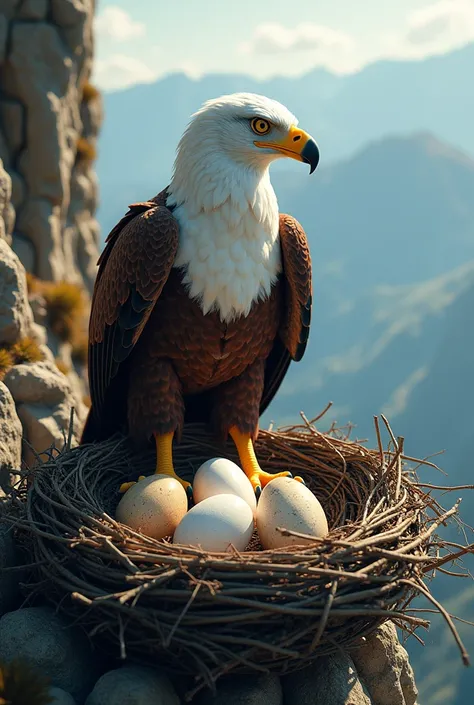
x,y
204,615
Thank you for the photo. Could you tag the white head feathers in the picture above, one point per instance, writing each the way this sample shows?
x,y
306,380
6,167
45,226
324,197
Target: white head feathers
x,y
225,205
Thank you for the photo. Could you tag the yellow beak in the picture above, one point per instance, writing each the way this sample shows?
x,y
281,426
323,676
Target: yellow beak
x,y
298,145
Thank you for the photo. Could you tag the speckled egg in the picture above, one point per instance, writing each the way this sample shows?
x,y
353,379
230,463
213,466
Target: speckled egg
x,y
288,504
153,506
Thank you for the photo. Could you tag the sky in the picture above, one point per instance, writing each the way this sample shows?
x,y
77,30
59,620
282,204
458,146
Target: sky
x,y
143,40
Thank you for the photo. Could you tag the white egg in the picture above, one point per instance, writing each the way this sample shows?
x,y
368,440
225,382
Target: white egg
x,y
154,506
222,476
216,523
288,504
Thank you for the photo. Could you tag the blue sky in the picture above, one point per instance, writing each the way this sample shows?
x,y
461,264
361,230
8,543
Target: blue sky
x,y
142,40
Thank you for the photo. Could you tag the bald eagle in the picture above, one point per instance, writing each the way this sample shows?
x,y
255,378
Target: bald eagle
x,y
203,293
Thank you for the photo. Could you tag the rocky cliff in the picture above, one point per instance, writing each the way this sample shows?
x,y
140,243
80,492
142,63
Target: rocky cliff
x,y
49,120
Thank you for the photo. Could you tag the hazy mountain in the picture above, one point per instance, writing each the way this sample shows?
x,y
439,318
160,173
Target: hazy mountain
x,y
143,123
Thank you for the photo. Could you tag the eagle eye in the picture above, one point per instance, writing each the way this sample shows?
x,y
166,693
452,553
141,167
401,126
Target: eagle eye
x,y
260,126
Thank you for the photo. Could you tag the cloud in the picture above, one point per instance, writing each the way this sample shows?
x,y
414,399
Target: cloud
x,y
115,23
441,26
277,39
120,71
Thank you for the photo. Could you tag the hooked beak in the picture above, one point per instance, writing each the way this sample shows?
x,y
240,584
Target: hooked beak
x,y
298,145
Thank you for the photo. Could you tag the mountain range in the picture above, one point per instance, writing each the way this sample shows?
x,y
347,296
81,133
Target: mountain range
x,y
390,219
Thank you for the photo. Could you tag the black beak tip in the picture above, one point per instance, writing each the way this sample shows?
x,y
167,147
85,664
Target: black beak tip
x,y
310,155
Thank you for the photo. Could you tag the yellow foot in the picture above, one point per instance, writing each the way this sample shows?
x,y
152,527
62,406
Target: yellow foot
x,y
126,485
164,461
258,477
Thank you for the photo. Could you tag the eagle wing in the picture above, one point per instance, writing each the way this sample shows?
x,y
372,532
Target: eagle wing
x,y
297,296
133,270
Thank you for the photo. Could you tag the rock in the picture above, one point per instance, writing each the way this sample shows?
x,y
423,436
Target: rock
x,y
3,38
12,115
330,680
18,188
33,9
7,212
60,697
10,430
68,13
8,579
40,221
383,664
245,690
37,383
25,251
15,313
45,426
56,649
133,685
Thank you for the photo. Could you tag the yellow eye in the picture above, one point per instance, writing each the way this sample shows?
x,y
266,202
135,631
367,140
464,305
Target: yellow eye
x,y
260,126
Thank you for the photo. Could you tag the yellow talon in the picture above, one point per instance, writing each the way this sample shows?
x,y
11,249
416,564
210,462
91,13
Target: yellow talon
x,y
164,459
126,485
258,477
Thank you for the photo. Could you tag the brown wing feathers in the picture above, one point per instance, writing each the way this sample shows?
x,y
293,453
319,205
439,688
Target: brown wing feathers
x,y
133,269
297,297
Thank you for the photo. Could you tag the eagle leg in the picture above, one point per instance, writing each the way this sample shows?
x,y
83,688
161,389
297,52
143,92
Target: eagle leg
x,y
164,459
258,477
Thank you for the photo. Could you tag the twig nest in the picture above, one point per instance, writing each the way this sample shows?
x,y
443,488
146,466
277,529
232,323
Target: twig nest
x,y
204,614
288,504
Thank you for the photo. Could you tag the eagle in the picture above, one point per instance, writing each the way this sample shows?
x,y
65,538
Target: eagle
x,y
203,293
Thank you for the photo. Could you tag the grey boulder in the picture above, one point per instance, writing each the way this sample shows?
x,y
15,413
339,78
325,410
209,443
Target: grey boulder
x,y
330,680
60,697
133,685
61,653
245,690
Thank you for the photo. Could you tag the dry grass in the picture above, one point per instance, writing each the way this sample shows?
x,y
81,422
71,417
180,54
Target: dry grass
x,y
22,684
26,350
65,307
89,92
6,362
62,366
204,615
86,151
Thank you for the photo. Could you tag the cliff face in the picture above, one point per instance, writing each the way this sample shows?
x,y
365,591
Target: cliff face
x,y
49,121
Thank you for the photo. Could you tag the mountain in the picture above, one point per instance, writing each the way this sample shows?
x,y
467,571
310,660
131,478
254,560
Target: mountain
x,y
143,123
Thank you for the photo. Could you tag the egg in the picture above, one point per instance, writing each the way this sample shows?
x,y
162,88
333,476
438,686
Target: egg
x,y
215,523
288,504
222,476
154,506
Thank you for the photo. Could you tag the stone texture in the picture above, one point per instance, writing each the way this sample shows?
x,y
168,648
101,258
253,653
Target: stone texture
x,y
10,430
133,685
330,680
33,9
3,38
245,690
15,313
37,383
69,13
383,664
7,212
12,115
43,427
60,697
25,251
59,651
40,221
9,592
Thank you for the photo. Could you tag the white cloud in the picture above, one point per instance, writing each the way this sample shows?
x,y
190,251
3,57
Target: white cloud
x,y
277,39
115,23
120,71
441,26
